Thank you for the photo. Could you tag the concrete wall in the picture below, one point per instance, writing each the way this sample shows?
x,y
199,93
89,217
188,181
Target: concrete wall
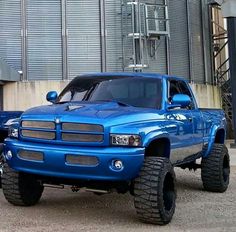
x,y
208,96
23,95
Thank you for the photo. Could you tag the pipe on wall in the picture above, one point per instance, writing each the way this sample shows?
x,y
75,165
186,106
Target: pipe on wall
x,y
103,35
190,42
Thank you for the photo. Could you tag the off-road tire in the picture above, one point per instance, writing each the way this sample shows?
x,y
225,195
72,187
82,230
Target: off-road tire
x,y
216,169
154,191
20,189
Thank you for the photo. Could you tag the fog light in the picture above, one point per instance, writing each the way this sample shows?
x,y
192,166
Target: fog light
x,y
118,164
9,155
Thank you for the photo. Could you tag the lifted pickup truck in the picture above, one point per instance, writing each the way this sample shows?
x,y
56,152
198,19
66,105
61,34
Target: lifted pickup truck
x,y
6,118
117,131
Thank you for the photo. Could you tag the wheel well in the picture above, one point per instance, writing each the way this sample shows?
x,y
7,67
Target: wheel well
x,y
220,136
3,135
159,148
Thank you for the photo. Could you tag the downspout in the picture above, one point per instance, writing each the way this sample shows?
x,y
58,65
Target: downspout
x,y
231,21
204,41
103,35
24,76
65,75
190,42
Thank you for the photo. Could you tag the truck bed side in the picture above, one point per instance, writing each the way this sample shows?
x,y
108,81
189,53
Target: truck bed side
x,y
214,126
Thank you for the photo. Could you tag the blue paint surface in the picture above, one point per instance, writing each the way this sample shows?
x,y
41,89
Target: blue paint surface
x,y
6,115
184,128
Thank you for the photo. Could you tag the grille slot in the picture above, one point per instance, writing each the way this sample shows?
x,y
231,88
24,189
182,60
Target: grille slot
x,y
82,127
81,137
38,124
38,134
82,160
31,155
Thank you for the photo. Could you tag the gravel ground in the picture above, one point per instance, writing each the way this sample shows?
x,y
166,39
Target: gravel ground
x,y
63,210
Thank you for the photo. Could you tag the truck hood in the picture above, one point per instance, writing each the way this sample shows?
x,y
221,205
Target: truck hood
x,y
105,113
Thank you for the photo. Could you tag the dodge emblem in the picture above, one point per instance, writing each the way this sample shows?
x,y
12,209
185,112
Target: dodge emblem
x,y
57,120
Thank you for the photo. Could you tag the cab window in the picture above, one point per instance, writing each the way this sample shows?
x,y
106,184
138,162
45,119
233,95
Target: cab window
x,y
179,87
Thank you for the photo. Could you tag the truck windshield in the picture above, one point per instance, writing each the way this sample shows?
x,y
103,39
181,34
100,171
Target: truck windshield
x,y
134,91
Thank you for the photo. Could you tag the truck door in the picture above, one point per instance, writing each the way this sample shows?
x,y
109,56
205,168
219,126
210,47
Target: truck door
x,y
180,125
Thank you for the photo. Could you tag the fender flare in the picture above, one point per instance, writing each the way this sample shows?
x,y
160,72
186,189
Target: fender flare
x,y
211,140
154,136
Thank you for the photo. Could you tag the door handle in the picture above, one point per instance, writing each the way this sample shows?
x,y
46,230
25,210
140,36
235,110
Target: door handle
x,y
190,119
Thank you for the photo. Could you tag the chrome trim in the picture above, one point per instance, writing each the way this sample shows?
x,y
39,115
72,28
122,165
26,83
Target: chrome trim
x,y
31,155
69,137
82,160
179,154
38,124
38,134
82,127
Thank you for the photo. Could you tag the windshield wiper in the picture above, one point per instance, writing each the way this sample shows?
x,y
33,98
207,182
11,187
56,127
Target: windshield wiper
x,y
115,101
62,102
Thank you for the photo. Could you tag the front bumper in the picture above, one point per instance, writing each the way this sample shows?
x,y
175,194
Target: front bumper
x,y
54,162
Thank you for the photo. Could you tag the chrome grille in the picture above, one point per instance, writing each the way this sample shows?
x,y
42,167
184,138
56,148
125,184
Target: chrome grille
x,y
82,127
82,137
68,132
82,160
31,155
38,134
38,124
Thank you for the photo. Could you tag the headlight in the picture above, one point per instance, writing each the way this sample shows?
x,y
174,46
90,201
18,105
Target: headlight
x,y
12,125
125,140
13,132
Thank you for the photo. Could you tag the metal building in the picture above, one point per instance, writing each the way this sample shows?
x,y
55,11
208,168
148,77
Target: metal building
x,y
58,39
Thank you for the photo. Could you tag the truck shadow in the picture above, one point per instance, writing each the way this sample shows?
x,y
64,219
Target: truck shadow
x,y
116,207
63,208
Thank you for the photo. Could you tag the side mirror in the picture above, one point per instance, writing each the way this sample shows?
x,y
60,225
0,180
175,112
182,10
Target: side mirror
x,y
180,100
52,96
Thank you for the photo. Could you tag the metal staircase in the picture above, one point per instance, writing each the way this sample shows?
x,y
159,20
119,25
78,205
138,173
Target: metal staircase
x,y
221,61
143,23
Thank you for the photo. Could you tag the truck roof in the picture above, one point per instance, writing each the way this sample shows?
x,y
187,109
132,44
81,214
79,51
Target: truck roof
x,y
130,74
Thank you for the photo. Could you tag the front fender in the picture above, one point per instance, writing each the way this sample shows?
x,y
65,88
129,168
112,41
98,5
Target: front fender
x,y
154,136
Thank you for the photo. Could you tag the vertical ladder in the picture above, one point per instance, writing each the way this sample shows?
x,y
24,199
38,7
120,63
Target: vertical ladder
x,y
141,22
134,37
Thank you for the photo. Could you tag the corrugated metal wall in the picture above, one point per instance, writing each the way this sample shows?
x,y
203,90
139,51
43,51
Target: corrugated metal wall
x,y
113,35
179,52
83,28
44,39
198,73
10,32
157,56
44,23
157,50
207,42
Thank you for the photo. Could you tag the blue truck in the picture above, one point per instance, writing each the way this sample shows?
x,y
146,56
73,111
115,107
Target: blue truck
x,y
123,132
6,117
